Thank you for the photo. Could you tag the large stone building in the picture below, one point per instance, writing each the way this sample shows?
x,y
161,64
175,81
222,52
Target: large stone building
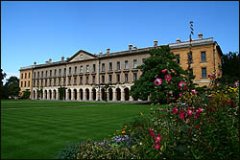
x,y
109,76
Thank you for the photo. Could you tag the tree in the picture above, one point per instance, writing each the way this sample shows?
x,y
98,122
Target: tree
x,y
62,93
160,77
230,68
2,91
12,87
26,94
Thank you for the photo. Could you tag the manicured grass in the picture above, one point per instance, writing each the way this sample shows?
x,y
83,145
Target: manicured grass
x,y
40,129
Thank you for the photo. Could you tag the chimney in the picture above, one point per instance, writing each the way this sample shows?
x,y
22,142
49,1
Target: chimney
x,y
200,35
178,40
130,46
155,43
135,48
35,63
62,59
108,51
100,54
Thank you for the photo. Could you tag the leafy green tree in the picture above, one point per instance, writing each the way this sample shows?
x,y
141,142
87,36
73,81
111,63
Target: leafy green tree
x,y
12,87
160,78
2,91
62,93
26,94
230,68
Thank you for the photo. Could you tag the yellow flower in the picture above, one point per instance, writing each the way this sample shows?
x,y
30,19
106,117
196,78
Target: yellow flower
x,y
123,131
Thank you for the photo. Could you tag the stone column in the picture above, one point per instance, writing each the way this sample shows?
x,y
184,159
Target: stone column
x,y
107,96
67,95
72,95
78,95
90,95
130,98
84,96
114,96
48,95
122,96
57,95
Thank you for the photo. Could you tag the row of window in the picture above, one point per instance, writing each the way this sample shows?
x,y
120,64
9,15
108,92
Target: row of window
x,y
25,75
62,81
74,70
25,84
190,59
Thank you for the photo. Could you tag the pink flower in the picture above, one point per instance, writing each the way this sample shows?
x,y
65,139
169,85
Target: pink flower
x,y
164,71
151,132
180,94
157,146
158,138
168,77
194,91
189,112
181,115
182,85
175,110
157,81
199,110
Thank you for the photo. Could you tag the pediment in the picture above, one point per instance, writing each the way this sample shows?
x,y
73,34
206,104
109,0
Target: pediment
x,y
81,55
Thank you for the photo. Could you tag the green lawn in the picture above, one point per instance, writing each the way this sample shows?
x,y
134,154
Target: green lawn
x,y
40,129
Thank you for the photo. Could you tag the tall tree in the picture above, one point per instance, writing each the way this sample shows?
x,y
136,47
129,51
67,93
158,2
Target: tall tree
x,y
160,77
3,75
230,67
12,87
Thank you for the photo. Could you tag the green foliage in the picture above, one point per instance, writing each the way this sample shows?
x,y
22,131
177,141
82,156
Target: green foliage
x,y
62,93
230,67
11,88
2,89
26,94
160,59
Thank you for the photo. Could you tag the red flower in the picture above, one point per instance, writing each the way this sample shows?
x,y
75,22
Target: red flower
x,y
199,110
182,115
164,71
157,146
151,133
157,138
175,110
168,78
189,112
157,81
182,85
194,91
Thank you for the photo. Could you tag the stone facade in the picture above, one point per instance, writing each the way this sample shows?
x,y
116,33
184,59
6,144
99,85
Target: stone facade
x,y
109,76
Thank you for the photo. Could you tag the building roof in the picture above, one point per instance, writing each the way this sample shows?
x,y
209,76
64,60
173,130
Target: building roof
x,y
179,44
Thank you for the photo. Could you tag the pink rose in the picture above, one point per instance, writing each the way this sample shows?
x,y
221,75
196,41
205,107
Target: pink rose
x,y
168,78
151,132
157,146
182,85
158,138
181,115
175,110
164,71
189,112
194,91
157,81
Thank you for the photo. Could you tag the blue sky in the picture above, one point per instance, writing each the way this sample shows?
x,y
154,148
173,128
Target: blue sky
x,y
37,31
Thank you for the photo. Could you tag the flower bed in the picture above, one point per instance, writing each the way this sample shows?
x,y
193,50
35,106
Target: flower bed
x,y
196,125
